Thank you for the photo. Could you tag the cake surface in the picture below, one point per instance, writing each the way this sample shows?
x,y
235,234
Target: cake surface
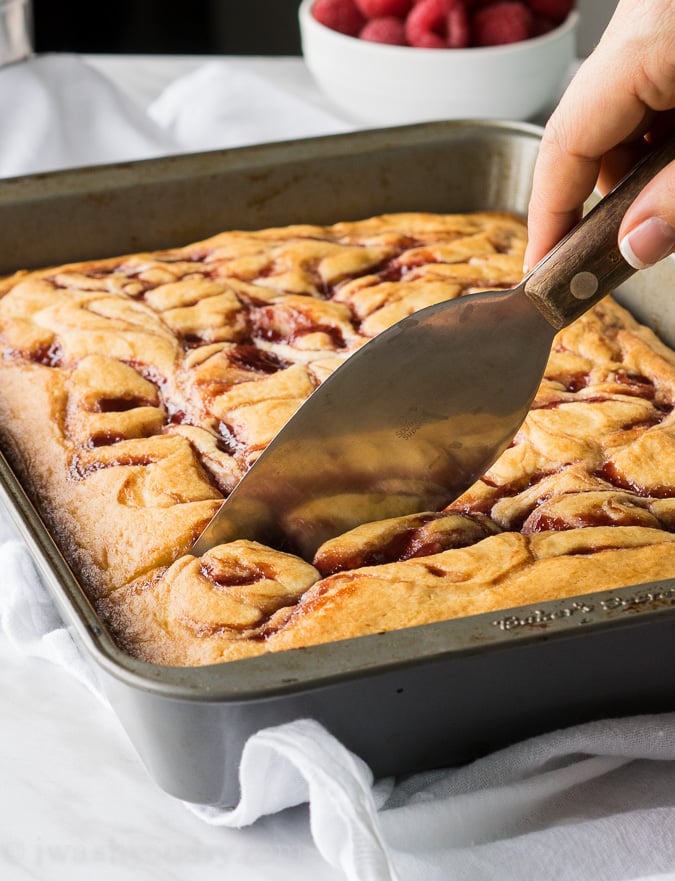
x,y
136,391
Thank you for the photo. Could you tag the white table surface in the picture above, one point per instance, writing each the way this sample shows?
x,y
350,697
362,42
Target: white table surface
x,y
76,802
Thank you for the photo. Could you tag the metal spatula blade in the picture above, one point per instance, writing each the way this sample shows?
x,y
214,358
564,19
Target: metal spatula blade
x,y
395,429
416,415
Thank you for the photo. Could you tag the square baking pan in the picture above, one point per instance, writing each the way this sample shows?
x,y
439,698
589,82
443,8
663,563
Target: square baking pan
x,y
422,697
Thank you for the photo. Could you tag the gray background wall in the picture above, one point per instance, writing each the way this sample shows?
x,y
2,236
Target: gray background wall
x,y
594,17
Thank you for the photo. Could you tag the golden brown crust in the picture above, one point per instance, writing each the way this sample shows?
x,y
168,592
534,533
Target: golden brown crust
x,y
135,392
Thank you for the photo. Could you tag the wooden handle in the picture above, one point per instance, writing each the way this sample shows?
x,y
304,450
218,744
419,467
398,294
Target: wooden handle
x,y
587,264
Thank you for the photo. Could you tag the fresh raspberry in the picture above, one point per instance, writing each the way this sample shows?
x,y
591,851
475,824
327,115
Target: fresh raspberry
x,y
385,29
508,21
426,24
556,10
457,26
339,15
381,8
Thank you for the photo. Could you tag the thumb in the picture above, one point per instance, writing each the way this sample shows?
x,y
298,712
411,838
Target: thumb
x,y
647,232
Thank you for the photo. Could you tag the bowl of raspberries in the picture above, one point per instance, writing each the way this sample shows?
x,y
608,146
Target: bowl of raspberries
x,y
388,62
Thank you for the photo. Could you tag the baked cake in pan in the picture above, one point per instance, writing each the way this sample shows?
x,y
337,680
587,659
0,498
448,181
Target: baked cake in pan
x,y
136,391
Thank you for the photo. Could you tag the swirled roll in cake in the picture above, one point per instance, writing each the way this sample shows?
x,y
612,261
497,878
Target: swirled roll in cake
x,y
136,391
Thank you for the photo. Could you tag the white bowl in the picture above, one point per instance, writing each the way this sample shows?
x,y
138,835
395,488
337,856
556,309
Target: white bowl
x,y
378,84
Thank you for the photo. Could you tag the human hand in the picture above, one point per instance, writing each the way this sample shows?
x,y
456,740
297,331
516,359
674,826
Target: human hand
x,y
622,97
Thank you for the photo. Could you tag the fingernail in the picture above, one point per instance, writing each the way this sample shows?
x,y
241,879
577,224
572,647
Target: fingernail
x,y
649,242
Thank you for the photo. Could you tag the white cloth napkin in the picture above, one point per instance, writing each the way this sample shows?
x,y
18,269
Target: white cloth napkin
x,y
594,802
59,112
220,105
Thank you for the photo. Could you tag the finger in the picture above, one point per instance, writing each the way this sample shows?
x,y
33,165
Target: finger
x,y
647,232
562,181
602,107
570,157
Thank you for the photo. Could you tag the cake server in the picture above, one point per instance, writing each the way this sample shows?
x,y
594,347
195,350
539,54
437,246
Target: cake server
x,y
421,411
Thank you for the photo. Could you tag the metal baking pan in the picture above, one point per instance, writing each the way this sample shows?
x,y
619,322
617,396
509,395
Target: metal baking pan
x,y
422,697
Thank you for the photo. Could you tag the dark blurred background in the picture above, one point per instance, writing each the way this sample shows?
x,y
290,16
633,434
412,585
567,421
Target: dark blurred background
x,y
246,27
231,27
